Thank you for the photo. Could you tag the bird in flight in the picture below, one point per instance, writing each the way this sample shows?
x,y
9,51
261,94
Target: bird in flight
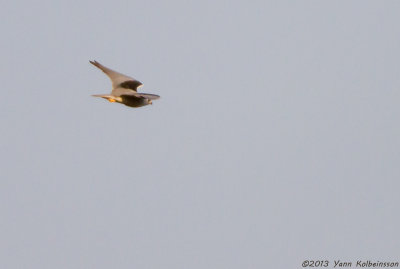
x,y
124,89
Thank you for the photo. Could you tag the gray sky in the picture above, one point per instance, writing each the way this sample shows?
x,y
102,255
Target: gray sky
x,y
276,138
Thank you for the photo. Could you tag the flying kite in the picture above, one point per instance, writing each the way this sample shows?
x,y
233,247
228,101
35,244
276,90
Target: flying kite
x,y
124,89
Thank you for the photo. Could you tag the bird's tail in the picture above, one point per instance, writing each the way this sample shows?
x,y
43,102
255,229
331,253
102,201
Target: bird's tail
x,y
102,95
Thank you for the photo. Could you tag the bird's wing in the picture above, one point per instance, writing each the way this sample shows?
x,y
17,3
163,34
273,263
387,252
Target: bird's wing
x,y
118,79
148,96
136,94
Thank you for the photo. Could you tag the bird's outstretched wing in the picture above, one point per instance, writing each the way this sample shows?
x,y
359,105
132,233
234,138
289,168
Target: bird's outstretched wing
x,y
118,80
139,95
148,96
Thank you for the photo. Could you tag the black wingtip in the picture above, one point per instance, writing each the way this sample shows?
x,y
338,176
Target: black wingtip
x,y
94,62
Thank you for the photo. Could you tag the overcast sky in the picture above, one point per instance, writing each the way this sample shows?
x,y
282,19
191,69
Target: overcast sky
x,y
276,138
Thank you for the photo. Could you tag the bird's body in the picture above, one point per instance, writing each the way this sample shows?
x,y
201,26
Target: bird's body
x,y
133,101
124,89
